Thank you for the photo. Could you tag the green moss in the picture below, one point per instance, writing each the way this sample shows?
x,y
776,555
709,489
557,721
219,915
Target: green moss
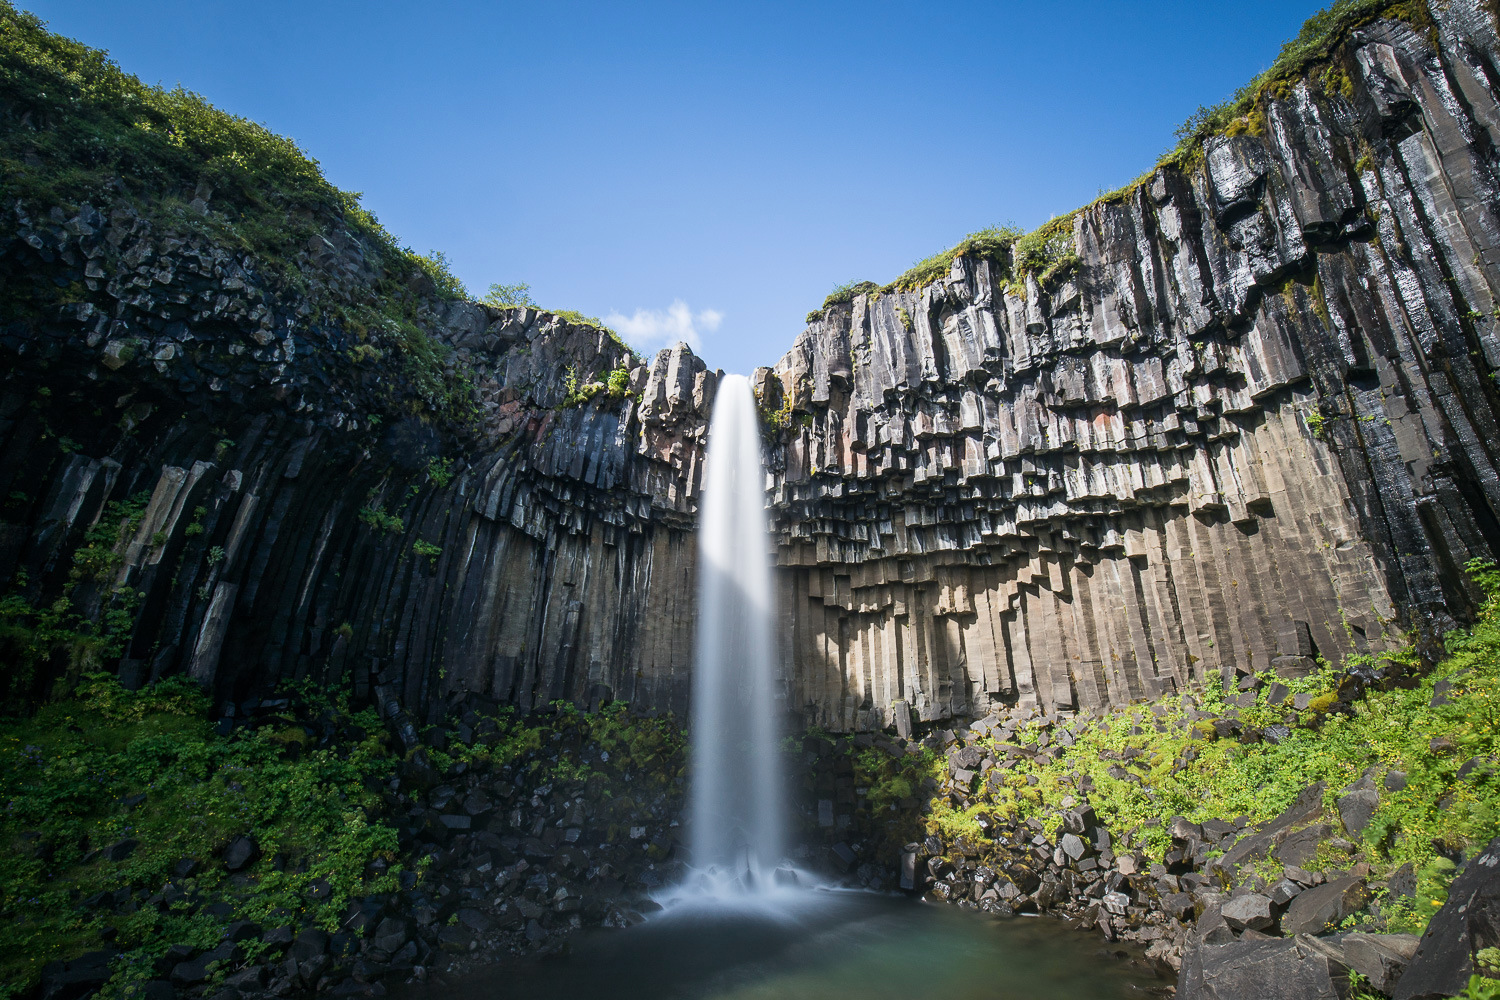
x,y
991,243
1313,47
66,775
376,517
1151,762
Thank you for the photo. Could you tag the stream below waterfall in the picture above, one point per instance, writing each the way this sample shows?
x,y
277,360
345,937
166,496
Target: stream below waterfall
x,y
825,945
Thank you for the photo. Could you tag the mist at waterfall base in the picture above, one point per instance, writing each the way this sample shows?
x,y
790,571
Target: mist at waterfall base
x,y
735,793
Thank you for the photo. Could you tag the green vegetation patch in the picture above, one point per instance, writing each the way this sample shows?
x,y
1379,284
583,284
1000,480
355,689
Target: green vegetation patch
x,y
1048,251
1309,54
1150,763
114,789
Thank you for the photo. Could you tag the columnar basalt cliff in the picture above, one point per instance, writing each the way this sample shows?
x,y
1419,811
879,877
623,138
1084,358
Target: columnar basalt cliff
x,y
1252,424
306,507
1248,418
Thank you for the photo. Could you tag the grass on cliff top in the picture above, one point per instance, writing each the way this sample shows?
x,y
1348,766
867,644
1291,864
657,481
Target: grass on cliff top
x,y
1312,48
1048,250
76,128
1183,770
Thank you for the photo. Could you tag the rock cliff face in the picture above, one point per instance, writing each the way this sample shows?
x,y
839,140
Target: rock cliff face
x,y
1255,423
307,506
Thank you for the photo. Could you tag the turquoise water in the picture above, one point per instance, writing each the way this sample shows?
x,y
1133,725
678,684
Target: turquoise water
x,y
834,945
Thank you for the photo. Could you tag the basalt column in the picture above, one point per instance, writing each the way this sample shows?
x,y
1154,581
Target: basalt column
x,y
1254,422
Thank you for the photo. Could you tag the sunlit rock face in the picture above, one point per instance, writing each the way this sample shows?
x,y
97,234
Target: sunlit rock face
x,y
1256,423
309,508
1253,425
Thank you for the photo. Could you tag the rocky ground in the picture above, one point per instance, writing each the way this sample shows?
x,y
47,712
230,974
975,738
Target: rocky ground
x,y
510,838
1226,904
1285,829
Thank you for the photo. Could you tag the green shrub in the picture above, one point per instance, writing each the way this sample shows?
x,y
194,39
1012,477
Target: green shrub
x,y
435,265
99,557
619,383
507,296
440,471
376,517
65,774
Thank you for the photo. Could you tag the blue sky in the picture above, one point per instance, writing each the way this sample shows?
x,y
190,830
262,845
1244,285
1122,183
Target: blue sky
x,y
701,170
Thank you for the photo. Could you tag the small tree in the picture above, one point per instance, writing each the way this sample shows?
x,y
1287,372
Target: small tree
x,y
510,295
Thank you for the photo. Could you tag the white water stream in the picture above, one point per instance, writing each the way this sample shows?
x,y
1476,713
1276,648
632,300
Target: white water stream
x,y
736,800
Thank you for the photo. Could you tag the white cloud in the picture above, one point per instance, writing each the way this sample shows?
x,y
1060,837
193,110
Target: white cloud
x,y
649,329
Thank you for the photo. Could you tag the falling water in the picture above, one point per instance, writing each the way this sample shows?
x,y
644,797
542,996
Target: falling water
x,y
736,792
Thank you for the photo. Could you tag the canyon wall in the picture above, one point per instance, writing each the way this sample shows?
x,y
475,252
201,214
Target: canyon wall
x,y
1254,424
259,494
1251,424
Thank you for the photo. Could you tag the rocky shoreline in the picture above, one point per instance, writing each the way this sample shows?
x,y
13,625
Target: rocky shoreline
x,y
516,834
494,861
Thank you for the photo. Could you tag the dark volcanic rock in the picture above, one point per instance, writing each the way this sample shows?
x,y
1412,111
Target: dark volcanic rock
x,y
1251,911
1356,808
1324,907
1468,922
78,978
1276,359
1274,969
241,853
1380,958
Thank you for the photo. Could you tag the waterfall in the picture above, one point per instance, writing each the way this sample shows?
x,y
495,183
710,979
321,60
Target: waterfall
x,y
735,793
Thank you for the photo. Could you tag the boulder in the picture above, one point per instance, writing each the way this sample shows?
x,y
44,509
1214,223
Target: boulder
x,y
390,935
1268,969
1380,958
241,853
1300,847
1074,847
1356,808
1307,807
475,920
197,970
1251,911
1080,820
1324,907
121,849
77,978
1178,905
909,867
157,989
309,943
1284,892
1468,922
455,940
